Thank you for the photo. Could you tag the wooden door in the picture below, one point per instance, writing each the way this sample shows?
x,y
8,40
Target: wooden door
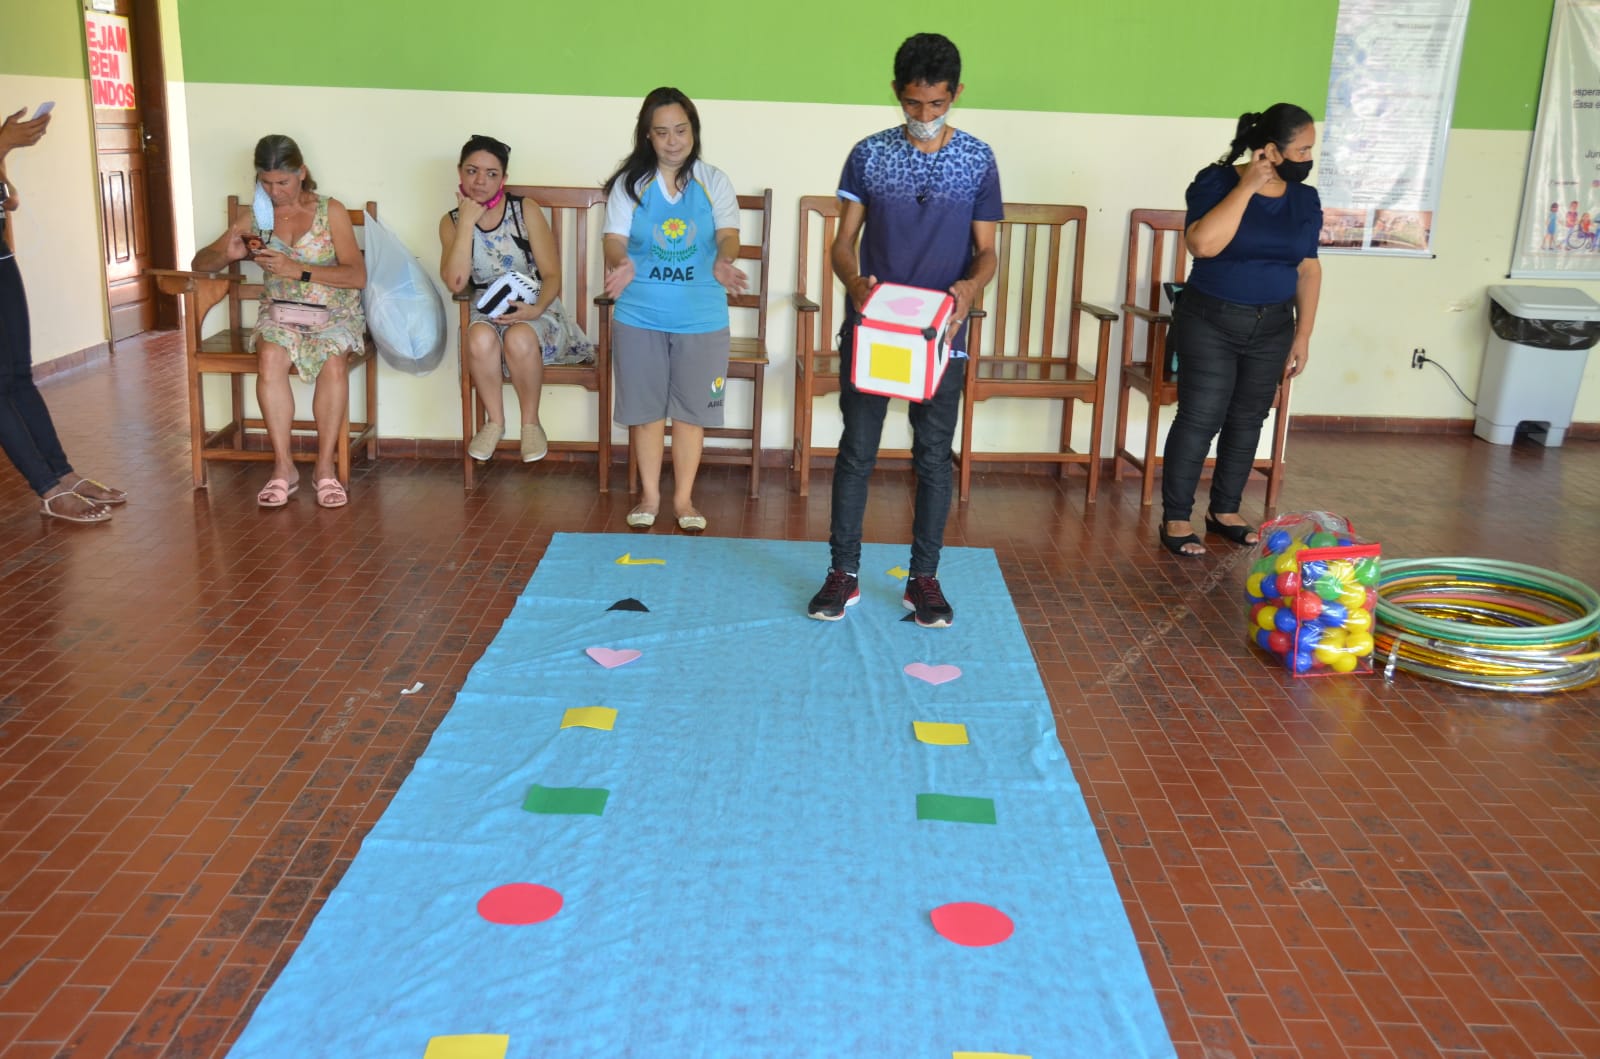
x,y
130,148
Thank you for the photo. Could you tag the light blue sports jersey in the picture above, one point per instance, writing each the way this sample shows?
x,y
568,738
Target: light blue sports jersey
x,y
674,248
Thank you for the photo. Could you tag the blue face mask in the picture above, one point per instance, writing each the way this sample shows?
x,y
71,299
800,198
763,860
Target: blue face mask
x,y
924,130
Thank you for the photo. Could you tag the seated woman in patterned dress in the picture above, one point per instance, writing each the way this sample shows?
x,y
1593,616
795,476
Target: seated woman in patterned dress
x,y
310,315
488,236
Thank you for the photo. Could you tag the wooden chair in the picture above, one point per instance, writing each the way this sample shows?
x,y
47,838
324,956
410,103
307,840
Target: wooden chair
x,y
747,357
816,332
1155,237
1031,292
569,210
224,353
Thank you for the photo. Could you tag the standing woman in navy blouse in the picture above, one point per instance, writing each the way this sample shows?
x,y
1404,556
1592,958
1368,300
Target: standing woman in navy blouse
x,y
1243,321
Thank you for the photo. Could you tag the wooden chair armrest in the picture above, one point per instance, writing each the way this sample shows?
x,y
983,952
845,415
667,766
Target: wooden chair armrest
x,y
1150,315
604,299
803,304
182,280
1099,312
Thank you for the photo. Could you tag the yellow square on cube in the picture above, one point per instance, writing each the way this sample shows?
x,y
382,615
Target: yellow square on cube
x,y
940,734
601,717
890,363
468,1046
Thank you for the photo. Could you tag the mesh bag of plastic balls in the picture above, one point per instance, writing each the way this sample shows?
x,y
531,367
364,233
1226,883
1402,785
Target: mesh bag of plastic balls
x,y
1312,591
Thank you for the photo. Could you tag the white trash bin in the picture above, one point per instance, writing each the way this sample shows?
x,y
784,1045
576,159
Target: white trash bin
x,y
1539,342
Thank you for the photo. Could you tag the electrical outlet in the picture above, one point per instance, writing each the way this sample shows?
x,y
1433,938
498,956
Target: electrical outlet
x,y
1419,357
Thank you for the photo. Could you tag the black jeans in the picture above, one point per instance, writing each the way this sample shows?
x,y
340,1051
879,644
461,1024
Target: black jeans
x,y
1230,360
26,433
933,428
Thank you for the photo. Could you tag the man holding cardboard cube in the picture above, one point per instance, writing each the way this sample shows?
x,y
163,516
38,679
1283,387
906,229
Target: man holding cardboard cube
x,y
922,199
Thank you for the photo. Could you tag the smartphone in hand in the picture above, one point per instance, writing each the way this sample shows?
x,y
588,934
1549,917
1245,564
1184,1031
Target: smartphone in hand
x,y
44,108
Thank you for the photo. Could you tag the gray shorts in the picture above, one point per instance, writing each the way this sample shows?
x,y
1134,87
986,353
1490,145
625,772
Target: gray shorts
x,y
663,375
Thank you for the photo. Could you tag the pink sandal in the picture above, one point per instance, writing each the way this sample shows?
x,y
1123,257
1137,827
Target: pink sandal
x,y
277,492
330,493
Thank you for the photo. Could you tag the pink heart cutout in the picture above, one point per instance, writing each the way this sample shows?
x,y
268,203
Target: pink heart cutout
x,y
942,674
905,306
610,657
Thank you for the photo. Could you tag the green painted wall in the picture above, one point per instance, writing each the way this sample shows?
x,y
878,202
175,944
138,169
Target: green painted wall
x,y
41,38
1157,57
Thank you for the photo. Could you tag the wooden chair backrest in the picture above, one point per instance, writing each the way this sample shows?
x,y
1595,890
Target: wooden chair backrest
x,y
1157,254
576,220
1025,303
755,296
241,293
814,279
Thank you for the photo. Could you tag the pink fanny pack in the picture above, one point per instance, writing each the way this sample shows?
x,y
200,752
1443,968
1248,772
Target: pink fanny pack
x,y
298,314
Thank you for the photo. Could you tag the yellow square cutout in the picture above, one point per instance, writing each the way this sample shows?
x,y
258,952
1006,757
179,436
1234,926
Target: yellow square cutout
x,y
601,717
468,1046
940,734
889,363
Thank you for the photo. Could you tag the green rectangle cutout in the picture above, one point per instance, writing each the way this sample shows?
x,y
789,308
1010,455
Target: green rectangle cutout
x,y
955,808
567,801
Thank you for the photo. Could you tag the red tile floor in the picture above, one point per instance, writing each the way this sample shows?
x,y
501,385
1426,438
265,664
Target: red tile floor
x,y
200,718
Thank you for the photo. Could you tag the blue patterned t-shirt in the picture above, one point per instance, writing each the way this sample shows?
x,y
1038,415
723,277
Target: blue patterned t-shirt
x,y
920,207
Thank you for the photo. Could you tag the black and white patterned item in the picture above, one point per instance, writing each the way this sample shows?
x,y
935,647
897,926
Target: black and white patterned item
x,y
510,286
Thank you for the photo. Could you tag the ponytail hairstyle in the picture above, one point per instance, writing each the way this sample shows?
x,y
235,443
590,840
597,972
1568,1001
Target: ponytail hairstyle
x,y
277,151
1278,124
641,162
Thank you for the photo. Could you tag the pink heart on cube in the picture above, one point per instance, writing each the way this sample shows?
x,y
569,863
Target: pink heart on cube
x,y
941,674
610,657
904,306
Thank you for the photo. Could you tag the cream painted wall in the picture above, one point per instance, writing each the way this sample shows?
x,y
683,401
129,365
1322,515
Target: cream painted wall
x,y
57,228
399,148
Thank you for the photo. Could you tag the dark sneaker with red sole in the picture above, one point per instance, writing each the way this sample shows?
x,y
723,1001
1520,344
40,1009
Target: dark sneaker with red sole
x,y
925,599
839,591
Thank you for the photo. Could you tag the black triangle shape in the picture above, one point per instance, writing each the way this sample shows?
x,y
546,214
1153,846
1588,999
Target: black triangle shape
x,y
909,617
629,604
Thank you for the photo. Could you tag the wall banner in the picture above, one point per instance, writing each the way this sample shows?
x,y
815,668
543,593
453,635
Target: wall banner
x,y
110,60
1560,223
1390,92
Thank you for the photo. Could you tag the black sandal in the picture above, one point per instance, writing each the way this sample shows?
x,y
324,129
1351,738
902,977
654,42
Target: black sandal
x,y
1236,534
1175,544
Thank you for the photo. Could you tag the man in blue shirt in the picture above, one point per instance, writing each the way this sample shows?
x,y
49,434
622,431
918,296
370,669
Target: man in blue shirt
x,y
923,199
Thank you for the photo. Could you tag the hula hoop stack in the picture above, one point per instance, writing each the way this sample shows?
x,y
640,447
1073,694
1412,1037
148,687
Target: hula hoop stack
x,y
1489,624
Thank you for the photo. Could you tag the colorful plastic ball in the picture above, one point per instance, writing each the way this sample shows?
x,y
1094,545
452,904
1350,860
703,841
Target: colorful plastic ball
x,y
1343,662
1372,600
1285,562
1279,541
1262,640
1267,564
1344,540
1285,620
1307,606
1322,539
1310,635
1353,596
1267,616
1330,637
1252,586
1358,619
1279,642
1312,571
1358,644
1332,614
1325,655
1287,584
1367,571
1269,586
1299,662
1328,588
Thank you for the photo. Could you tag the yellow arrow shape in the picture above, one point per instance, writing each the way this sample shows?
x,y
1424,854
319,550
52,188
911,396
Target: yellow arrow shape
x,y
898,572
628,560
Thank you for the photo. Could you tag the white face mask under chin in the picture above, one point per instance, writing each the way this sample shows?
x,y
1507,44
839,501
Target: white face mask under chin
x,y
924,130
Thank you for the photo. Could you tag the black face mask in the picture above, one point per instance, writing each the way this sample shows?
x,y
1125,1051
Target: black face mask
x,y
1293,172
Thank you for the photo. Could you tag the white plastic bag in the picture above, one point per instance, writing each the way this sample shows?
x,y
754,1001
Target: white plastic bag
x,y
405,311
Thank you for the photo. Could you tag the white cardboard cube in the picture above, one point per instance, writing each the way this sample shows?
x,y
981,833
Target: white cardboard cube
x,y
903,342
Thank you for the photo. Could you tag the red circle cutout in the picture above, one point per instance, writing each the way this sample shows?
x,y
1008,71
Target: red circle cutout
x,y
971,923
518,904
